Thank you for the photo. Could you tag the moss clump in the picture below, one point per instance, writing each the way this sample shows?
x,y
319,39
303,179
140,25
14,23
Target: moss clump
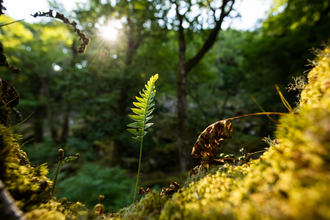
x,y
27,184
148,207
200,171
58,209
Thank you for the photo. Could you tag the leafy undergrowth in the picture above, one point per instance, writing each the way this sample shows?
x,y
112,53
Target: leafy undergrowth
x,y
290,181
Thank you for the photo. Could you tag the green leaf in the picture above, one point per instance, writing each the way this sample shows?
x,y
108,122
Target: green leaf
x,y
136,117
137,138
151,105
136,125
137,111
149,118
134,131
148,125
140,105
149,112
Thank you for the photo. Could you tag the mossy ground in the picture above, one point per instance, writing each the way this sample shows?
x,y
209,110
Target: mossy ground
x,y
290,180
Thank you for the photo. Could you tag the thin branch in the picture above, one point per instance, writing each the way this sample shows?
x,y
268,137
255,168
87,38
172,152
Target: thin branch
x,y
259,113
213,10
211,38
12,22
9,205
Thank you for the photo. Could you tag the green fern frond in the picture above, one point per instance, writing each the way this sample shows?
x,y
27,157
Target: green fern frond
x,y
143,110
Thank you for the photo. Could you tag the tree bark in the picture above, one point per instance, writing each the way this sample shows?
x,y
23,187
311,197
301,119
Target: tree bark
x,y
182,100
38,125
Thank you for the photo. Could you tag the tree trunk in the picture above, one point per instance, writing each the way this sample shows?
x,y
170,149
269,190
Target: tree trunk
x,y
182,102
65,129
38,125
184,68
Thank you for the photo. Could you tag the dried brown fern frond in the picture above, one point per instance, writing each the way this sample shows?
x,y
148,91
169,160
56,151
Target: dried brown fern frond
x,y
4,62
83,38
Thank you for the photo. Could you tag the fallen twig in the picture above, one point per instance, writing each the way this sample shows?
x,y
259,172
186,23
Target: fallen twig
x,y
9,205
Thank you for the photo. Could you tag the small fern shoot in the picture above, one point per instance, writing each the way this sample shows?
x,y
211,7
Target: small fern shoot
x,y
145,106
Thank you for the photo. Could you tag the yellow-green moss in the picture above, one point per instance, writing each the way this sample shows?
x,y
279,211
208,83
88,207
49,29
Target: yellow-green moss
x,y
28,184
58,209
148,207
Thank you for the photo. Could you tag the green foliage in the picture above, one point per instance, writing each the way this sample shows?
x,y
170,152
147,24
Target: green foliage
x,y
143,112
93,180
279,50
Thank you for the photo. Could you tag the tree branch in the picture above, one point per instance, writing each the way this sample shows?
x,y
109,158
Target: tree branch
x,y
211,38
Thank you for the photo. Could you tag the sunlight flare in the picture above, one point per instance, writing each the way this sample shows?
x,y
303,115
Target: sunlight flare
x,y
109,32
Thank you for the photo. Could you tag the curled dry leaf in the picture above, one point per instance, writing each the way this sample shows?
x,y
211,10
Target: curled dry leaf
x,y
174,187
208,141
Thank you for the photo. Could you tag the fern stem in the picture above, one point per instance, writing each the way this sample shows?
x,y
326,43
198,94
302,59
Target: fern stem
x,y
138,174
58,168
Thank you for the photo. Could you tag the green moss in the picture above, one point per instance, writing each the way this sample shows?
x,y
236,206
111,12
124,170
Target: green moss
x,y
148,207
58,209
27,184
